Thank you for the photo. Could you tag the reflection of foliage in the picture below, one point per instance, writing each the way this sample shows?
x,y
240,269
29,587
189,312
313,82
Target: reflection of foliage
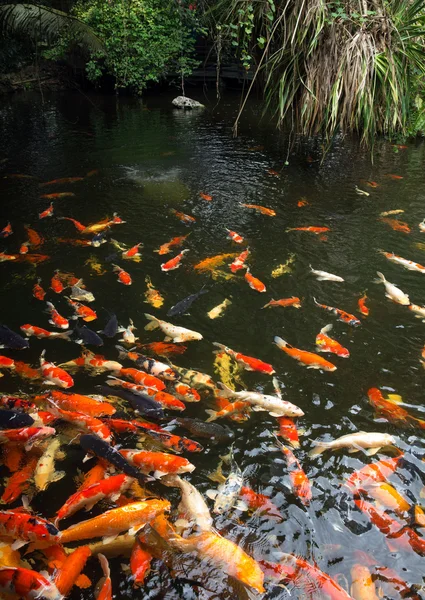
x,y
144,39
332,66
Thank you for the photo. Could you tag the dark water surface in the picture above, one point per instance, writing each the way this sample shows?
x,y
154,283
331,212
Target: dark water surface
x,y
152,158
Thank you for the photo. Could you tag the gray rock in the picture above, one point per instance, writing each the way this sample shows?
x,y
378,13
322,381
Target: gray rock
x,y
186,103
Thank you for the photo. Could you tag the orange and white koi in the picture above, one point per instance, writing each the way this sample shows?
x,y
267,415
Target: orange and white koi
x,y
158,463
123,276
82,421
173,263
47,213
140,563
37,291
396,225
247,362
205,196
259,503
55,375
303,202
104,591
110,488
186,393
24,527
114,521
235,237
261,209
6,362
132,253
407,264
83,312
5,257
239,262
240,407
309,359
361,303
56,283
274,405
391,411
79,403
288,430
142,378
325,343
100,363
163,398
128,336
176,241
311,229
40,333
6,231
253,282
27,584
299,480
24,249
186,219
293,301
150,365
343,316
27,435
375,472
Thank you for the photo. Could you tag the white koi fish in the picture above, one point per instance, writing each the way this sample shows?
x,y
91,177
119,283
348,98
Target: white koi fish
x,y
325,276
172,332
392,291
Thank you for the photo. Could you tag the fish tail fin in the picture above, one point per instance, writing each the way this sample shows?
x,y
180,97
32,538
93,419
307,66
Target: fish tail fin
x,y
50,305
280,343
327,328
315,301
154,323
319,448
268,303
226,391
171,480
43,352
66,335
381,278
104,564
221,347
185,251
212,415
122,352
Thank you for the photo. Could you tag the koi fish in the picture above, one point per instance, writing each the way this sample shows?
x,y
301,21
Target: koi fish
x,y
192,509
105,584
24,370
163,349
83,312
37,291
274,405
186,219
392,291
284,267
206,197
80,293
34,238
149,365
27,584
102,225
40,333
261,209
361,303
253,282
133,253
235,237
78,226
396,225
299,481
69,572
293,301
45,469
343,316
110,488
153,296
140,564
259,503
6,362
407,264
302,202
422,226
173,263
391,411
324,276
58,195
100,363
183,305
84,404
123,276
82,421
217,311
232,408
176,241
55,375
158,463
225,496
210,263
419,310
375,472
128,335
172,332
142,378
24,249
239,262
115,521
6,231
388,497
62,180
195,379
186,393
56,284
46,213
395,177
5,257
311,229
387,213
309,359
247,362
19,482
288,430
24,527
326,344
371,442
273,172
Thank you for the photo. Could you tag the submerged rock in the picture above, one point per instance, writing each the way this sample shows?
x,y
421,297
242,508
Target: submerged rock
x,y
186,103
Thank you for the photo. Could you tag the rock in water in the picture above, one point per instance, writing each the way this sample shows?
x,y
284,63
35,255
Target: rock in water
x,y
186,103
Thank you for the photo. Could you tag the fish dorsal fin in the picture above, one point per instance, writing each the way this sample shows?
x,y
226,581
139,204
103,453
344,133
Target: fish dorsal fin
x,y
395,398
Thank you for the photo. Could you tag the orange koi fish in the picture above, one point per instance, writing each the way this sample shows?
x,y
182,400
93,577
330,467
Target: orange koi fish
x,y
311,229
309,359
261,209
24,249
105,585
79,226
299,480
58,195
361,303
34,259
341,314
372,184
82,421
302,202
325,343
288,430
28,435
210,263
4,257
70,570
18,176
396,225
19,482
375,472
391,411
41,333
166,400
140,564
176,241
99,362
239,262
6,231
24,370
260,503
273,172
114,521
306,576
293,301
123,276
186,393
94,475
132,252
395,177
56,284
34,238
254,283
6,362
173,263
247,362
26,527
230,409
206,197
235,237
387,497
186,219
13,454
142,378
47,213
84,312
24,583
158,463
164,348
54,374
83,404
63,180
111,488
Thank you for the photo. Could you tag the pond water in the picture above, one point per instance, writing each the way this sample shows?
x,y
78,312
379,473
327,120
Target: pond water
x,y
150,159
